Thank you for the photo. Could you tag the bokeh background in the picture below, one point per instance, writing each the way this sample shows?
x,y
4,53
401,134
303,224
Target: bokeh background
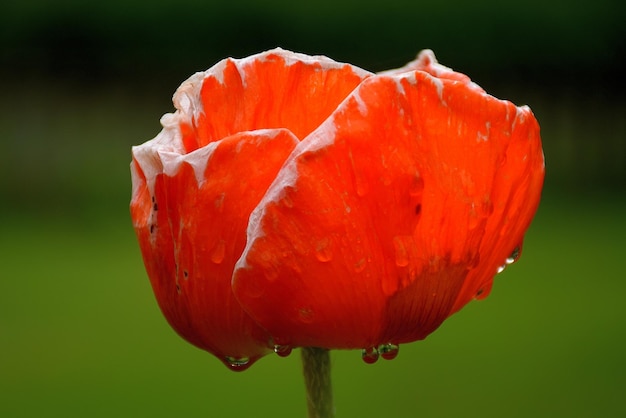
x,y
80,332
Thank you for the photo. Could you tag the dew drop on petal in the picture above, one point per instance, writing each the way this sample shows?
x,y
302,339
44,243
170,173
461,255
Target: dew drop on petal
x,y
282,350
361,187
219,202
359,266
402,254
360,183
416,187
237,363
369,355
323,250
388,351
218,252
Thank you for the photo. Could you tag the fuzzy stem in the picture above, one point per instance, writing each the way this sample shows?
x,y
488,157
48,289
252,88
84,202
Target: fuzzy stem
x,y
316,370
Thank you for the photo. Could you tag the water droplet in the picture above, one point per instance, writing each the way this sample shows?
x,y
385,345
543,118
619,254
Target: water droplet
x,y
369,355
388,351
515,255
479,212
323,250
219,202
359,266
282,350
400,244
219,251
237,363
416,188
361,185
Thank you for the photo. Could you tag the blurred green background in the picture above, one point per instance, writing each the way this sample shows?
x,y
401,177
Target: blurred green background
x,y
80,332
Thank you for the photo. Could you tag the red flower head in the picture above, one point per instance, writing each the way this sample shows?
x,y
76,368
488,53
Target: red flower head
x,y
295,201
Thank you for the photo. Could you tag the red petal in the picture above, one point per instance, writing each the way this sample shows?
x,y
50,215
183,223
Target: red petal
x,y
192,229
391,215
275,89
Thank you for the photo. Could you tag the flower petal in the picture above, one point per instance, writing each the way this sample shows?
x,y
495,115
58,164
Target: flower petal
x,y
274,89
392,214
191,225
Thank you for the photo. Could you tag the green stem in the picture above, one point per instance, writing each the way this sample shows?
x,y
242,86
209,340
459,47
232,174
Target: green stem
x,y
316,370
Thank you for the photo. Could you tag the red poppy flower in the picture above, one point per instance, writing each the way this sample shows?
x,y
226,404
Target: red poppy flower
x,y
294,201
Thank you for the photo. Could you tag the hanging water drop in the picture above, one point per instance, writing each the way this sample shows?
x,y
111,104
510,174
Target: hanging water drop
x,y
369,355
515,255
237,363
282,350
388,351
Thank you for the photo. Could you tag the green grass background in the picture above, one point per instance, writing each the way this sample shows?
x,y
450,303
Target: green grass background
x,y
80,332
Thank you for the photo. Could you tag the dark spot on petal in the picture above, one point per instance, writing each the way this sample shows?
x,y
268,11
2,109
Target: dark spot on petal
x,y
152,227
155,207
418,209
178,288
186,274
479,292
